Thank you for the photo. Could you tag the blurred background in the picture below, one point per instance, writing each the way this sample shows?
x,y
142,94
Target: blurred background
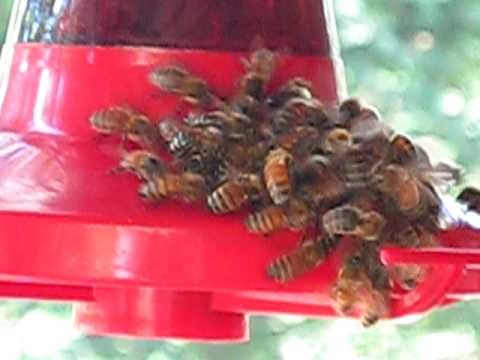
x,y
418,62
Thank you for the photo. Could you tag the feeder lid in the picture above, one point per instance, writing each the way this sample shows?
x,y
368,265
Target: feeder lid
x,y
297,26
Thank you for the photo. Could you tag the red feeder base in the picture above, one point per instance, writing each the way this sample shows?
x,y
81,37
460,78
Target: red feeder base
x,y
72,231
152,313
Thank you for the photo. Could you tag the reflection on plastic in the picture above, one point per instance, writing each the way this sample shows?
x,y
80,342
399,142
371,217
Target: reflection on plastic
x,y
31,172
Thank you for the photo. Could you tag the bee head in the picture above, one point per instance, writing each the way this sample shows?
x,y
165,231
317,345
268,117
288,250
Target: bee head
x,y
97,120
338,141
403,149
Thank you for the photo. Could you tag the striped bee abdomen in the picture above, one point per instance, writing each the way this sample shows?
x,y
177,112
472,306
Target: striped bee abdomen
x,y
306,257
267,221
277,175
227,198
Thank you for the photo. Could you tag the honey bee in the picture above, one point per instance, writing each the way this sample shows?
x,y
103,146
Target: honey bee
x,y
235,193
145,164
409,276
367,122
298,140
354,290
259,70
306,112
184,141
402,150
408,195
211,165
300,214
350,220
267,221
277,175
128,123
415,159
294,88
316,181
177,80
296,215
367,153
470,196
306,257
247,105
247,159
224,121
188,187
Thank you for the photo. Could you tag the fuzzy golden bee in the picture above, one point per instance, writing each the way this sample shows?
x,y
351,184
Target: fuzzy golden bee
x,y
128,123
259,70
268,220
145,164
354,291
306,257
178,80
350,220
308,112
294,88
296,215
410,196
187,187
277,175
184,142
235,193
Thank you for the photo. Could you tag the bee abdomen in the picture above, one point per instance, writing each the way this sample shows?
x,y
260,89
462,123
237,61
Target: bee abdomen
x,y
267,220
276,174
227,198
159,188
182,145
293,265
357,173
299,214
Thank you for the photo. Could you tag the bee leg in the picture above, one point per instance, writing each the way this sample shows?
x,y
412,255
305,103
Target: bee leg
x,y
369,319
376,308
117,170
303,239
219,103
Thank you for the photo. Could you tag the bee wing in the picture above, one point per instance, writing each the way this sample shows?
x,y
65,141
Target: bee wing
x,y
129,109
442,176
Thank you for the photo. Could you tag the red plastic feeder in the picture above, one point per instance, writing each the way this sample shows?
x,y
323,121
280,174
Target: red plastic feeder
x,y
73,232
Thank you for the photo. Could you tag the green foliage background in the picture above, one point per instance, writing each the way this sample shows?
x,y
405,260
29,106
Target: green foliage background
x,y
418,61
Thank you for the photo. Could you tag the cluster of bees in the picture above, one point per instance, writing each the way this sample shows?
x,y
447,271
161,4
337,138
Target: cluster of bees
x,y
325,171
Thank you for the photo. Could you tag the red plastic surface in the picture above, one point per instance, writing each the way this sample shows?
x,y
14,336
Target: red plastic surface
x,y
75,232
151,313
88,228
